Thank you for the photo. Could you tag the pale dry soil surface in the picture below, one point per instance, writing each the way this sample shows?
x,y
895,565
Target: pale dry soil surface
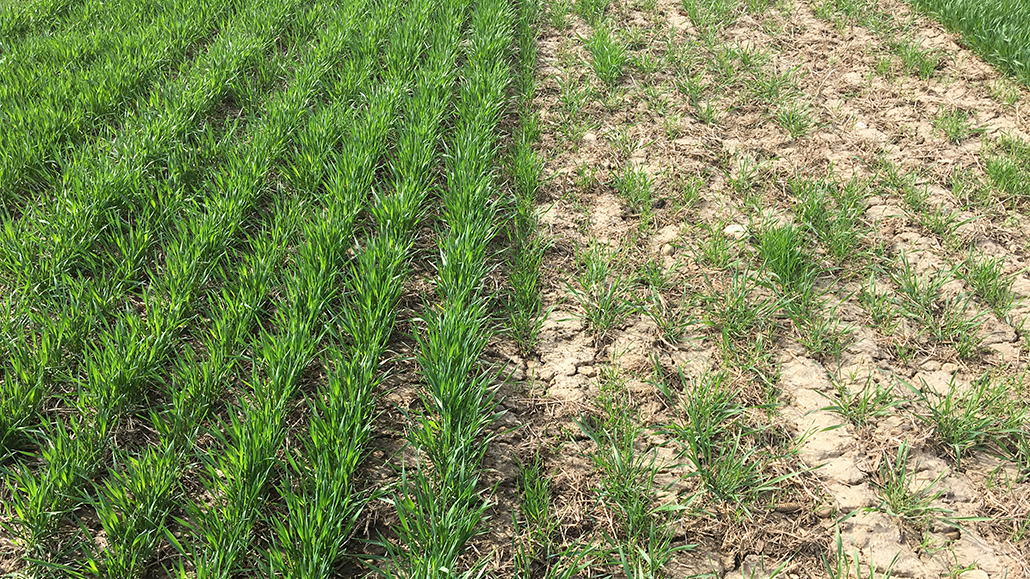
x,y
719,178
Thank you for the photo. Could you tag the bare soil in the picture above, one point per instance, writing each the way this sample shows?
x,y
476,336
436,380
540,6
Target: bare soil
x,y
863,119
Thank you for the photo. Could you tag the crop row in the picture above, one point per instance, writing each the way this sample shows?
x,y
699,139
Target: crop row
x,y
124,360
999,30
59,91
187,270
438,502
69,261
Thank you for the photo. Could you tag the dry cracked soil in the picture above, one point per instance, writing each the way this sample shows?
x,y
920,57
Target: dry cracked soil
x,y
723,165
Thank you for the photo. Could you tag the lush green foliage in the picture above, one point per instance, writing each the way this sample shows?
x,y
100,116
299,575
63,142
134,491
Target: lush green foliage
x,y
235,209
999,30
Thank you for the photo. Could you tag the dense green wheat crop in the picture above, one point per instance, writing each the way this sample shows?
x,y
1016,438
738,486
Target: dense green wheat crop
x,y
999,30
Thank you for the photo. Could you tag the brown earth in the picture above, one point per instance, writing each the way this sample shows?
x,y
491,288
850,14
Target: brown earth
x,y
862,120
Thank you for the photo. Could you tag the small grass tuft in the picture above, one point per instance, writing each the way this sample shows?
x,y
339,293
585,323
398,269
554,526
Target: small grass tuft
x,y
955,124
607,56
861,406
895,482
986,277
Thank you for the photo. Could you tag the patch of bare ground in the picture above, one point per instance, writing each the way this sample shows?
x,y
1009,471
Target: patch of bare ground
x,y
848,386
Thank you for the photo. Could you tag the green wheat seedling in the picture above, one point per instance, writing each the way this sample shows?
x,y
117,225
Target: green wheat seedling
x,y
775,89
833,211
919,293
710,16
955,124
591,10
71,456
692,86
689,189
881,307
633,37
895,482
614,99
899,182
724,65
628,482
648,63
656,100
558,14
123,360
752,59
824,336
621,142
734,312
628,487
98,205
674,320
133,509
838,565
915,60
860,406
604,294
525,304
528,17
716,249
945,320
673,127
536,527
942,222
891,176
635,187
849,11
322,494
1020,455
743,174
782,249
434,525
916,198
1007,175
573,96
608,56
795,118
971,189
885,68
724,459
656,276
439,505
979,417
31,362
1004,91
707,112
127,49
986,277
954,325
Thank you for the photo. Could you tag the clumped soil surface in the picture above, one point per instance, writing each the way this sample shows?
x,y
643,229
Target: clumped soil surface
x,y
674,181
